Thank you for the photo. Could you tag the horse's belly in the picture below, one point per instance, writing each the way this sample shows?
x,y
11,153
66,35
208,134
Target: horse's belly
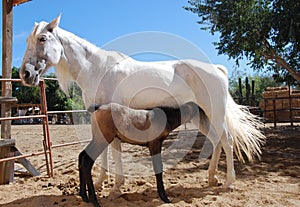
x,y
159,95
151,98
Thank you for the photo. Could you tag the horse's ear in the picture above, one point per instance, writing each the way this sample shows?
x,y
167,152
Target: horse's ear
x,y
35,28
54,23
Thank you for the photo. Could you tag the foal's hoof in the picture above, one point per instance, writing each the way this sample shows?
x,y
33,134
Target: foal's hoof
x,y
84,197
96,204
166,200
164,197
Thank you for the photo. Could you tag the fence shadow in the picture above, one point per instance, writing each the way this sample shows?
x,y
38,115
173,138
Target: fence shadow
x,y
280,154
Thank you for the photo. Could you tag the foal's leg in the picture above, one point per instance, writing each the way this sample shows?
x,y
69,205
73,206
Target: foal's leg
x,y
86,161
155,152
85,167
82,177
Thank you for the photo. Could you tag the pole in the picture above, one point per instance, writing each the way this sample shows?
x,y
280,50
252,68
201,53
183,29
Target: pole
x,y
6,169
7,21
240,91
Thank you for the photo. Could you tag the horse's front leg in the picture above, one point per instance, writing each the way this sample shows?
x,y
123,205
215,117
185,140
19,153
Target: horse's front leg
x,y
155,152
119,179
103,169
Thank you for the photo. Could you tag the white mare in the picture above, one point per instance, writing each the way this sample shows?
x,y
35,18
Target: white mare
x,y
109,76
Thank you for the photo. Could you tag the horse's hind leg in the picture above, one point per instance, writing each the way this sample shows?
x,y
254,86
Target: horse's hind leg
x,y
213,166
208,130
227,143
155,152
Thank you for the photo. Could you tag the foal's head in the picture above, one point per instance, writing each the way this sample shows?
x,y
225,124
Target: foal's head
x,y
43,51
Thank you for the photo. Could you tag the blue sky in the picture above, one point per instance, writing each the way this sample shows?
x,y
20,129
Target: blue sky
x,y
102,22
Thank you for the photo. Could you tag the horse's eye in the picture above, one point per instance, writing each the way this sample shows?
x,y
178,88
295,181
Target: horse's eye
x,y
42,40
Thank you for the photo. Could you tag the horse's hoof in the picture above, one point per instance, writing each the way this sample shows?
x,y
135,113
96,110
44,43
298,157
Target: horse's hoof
x,y
114,194
228,187
98,185
120,180
213,182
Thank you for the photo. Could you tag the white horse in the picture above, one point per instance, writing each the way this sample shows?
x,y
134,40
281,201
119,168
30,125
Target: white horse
x,y
108,76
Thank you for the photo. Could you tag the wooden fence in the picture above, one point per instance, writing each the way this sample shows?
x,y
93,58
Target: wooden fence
x,y
281,104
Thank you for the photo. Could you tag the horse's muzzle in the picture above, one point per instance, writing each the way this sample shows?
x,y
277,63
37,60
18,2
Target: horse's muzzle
x,y
30,74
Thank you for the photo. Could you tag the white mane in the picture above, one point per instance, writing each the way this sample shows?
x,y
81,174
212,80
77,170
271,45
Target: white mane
x,y
92,57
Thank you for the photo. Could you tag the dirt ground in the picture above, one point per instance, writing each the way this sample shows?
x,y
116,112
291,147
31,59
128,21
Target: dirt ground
x,y
272,181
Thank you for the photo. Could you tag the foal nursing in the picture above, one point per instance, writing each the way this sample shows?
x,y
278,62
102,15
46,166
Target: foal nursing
x,y
143,127
120,77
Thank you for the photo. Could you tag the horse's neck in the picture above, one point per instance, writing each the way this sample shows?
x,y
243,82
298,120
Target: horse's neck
x,y
82,61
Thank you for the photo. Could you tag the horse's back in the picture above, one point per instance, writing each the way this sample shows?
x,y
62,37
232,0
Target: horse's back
x,y
143,85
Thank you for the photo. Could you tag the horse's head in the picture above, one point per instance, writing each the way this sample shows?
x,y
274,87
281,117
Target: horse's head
x,y
43,51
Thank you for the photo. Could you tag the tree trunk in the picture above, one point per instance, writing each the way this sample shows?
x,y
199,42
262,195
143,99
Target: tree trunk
x,y
271,55
280,61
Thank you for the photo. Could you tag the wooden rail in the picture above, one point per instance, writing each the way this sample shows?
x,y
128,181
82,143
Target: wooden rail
x,y
46,135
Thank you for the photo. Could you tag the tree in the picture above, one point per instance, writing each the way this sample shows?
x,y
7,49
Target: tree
x,y
75,101
56,99
266,32
262,81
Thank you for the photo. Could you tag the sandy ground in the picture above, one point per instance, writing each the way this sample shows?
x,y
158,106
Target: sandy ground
x,y
272,181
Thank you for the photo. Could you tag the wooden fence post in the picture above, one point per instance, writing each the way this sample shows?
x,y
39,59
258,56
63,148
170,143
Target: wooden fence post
x,y
7,12
240,91
247,91
6,144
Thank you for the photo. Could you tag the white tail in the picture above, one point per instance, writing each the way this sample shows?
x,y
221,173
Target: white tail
x,y
244,127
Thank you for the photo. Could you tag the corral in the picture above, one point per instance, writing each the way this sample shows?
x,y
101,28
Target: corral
x,y
281,104
273,181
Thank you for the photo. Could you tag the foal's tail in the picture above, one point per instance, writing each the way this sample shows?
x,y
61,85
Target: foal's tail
x,y
244,127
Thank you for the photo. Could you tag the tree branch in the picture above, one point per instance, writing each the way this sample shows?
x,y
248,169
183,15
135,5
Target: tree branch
x,y
272,55
280,61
